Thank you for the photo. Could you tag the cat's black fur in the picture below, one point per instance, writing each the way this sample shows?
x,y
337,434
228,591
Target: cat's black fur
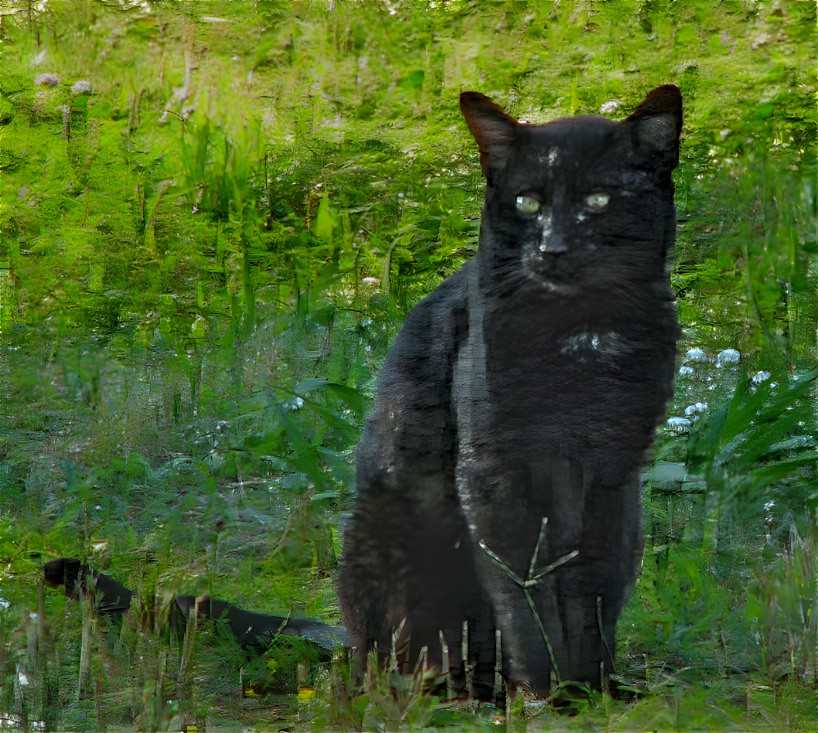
x,y
525,388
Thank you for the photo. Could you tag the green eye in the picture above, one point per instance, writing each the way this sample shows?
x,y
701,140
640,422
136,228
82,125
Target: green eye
x,y
527,205
597,201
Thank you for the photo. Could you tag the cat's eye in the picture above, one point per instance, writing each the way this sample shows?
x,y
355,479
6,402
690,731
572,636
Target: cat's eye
x,y
597,201
527,205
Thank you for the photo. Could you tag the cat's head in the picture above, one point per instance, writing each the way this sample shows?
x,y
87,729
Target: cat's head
x,y
579,200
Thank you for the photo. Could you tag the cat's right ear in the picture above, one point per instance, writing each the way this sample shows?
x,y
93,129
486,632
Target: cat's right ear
x,y
657,123
492,128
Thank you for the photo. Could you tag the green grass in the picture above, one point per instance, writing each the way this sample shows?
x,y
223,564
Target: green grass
x,y
197,289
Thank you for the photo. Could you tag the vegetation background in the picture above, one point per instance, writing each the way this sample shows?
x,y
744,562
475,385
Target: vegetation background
x,y
213,218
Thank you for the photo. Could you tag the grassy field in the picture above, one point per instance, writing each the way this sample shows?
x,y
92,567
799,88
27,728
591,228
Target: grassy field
x,y
214,217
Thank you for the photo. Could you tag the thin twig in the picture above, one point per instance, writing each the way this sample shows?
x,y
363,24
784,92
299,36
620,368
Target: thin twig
x,y
506,569
498,662
602,630
536,553
530,582
550,568
393,655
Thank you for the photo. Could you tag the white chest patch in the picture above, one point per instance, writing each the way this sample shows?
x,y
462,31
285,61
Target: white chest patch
x,y
587,345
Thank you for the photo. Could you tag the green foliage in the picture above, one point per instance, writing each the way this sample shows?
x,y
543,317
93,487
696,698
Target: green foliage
x,y
205,256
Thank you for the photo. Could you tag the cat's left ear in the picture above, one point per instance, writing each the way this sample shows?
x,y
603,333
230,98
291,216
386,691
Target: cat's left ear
x,y
492,128
658,122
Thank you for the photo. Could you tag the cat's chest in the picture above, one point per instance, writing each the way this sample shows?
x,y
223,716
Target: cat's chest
x,y
589,346
552,335
534,367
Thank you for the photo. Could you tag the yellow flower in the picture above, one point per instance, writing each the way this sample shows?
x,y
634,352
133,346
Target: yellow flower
x,y
305,694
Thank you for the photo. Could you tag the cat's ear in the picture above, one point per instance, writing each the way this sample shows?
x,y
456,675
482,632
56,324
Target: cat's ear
x,y
492,128
658,122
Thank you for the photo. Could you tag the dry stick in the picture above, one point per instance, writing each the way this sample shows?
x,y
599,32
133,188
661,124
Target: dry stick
x,y
387,265
85,643
191,624
444,654
420,668
468,669
393,654
185,678
530,582
602,631
498,663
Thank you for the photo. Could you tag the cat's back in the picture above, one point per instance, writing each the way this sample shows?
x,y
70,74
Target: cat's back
x,y
429,335
411,416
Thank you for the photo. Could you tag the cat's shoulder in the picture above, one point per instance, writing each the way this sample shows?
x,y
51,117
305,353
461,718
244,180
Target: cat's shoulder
x,y
445,302
432,329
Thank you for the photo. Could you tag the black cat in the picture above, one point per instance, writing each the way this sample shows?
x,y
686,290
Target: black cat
x,y
497,476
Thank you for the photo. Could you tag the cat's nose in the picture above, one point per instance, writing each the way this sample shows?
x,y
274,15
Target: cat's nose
x,y
553,244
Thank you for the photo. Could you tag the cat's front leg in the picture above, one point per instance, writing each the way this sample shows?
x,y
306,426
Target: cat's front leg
x,y
555,550
505,540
